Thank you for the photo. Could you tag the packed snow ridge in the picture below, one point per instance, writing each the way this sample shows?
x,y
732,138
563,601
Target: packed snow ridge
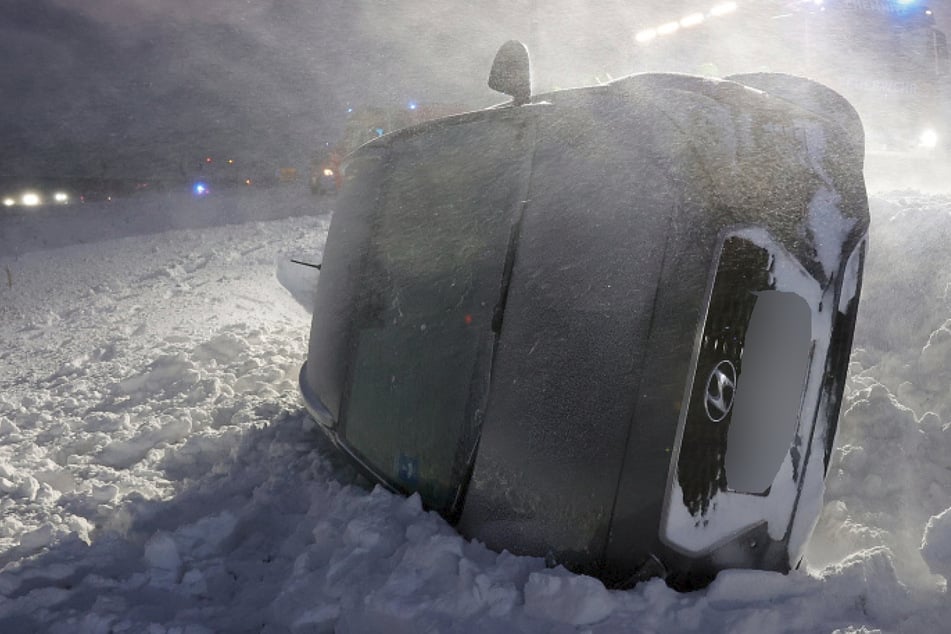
x,y
159,473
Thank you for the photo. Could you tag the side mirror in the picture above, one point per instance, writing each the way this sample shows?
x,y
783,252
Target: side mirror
x,y
512,72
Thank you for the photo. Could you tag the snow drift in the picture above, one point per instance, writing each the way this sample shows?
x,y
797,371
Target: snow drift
x,y
159,473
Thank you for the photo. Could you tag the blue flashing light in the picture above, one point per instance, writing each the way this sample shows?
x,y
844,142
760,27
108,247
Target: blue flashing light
x,y
349,110
379,131
412,105
200,189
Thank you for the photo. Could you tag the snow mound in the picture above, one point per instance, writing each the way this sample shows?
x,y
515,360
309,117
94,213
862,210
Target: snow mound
x,y
936,544
158,472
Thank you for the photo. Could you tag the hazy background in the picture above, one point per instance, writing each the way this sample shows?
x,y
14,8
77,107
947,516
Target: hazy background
x,y
137,88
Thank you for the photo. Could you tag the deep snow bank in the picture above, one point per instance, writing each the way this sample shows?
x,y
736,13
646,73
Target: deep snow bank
x,y
158,472
891,470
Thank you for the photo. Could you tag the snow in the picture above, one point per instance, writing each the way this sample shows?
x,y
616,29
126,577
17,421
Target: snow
x,y
936,544
825,220
158,472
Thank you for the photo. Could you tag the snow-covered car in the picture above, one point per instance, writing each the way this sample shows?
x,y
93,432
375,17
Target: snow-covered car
x,y
608,325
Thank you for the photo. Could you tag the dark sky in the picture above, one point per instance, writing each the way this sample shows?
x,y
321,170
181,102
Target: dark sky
x,y
137,87
112,86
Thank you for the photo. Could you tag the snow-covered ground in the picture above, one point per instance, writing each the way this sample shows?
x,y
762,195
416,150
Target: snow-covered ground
x,y
158,472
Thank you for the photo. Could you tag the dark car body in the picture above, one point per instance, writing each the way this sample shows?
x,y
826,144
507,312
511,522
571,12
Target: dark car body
x,y
610,326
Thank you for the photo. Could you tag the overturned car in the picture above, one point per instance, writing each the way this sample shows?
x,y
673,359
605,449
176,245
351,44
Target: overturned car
x,y
609,326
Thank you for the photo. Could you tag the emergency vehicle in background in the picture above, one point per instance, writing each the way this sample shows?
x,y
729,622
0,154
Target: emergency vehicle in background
x,y
885,56
366,124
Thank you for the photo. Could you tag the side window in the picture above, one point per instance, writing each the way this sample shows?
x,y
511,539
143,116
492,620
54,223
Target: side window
x,y
445,224
430,286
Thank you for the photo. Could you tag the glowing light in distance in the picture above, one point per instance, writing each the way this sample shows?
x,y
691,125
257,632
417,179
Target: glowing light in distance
x,y
723,8
207,159
328,172
412,105
247,181
9,202
691,20
30,199
230,161
60,197
646,35
200,189
928,139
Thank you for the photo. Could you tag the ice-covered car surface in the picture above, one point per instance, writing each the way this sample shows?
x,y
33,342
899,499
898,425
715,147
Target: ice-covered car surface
x,y
610,326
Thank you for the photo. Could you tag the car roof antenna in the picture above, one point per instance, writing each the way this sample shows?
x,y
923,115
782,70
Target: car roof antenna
x,y
512,72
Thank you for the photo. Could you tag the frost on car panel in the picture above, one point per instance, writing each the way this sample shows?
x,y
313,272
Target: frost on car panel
x,y
608,326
